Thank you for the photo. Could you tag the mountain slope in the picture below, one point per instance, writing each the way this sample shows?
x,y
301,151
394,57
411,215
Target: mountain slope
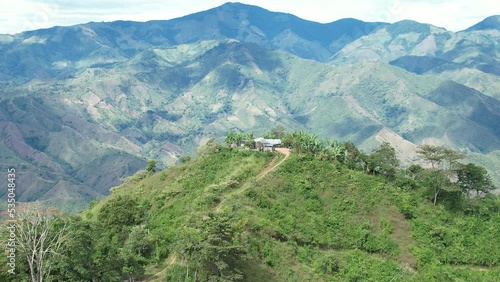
x,y
309,219
78,100
474,49
469,57
63,51
61,157
157,106
492,22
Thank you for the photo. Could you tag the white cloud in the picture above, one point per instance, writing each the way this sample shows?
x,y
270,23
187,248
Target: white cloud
x,y
20,15
451,14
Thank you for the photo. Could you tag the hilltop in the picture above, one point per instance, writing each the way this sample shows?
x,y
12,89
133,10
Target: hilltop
x,y
241,215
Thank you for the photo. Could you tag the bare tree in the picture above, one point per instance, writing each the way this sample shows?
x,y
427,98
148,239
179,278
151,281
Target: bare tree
x,y
40,233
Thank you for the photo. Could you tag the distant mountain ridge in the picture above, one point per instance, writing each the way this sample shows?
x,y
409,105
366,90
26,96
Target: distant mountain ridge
x,y
492,22
84,106
105,43
94,44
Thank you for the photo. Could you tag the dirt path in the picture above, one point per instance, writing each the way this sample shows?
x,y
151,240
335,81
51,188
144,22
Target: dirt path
x,y
171,261
272,166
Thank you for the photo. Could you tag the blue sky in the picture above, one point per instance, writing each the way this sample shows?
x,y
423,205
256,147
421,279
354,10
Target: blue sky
x,y
21,15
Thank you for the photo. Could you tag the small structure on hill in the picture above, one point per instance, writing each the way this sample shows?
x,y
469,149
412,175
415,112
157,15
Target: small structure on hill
x,y
263,144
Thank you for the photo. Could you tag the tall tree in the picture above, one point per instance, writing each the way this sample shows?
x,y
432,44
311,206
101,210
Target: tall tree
x,y
474,178
444,163
135,249
250,140
230,138
76,262
434,155
451,158
383,161
40,233
211,246
238,139
234,137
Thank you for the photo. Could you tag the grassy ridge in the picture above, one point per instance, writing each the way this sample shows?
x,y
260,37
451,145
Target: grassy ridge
x,y
314,220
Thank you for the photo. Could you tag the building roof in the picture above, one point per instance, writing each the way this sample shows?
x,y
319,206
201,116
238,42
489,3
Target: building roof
x,y
268,142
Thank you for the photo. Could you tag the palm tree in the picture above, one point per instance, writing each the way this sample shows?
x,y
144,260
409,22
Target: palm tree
x,y
249,136
311,142
239,137
249,140
230,138
337,150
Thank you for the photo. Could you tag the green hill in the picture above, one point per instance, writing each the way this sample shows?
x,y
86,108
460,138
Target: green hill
x,y
242,215
82,134
81,107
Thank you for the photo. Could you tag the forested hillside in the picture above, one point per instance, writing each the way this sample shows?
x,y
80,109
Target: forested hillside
x,y
82,107
326,212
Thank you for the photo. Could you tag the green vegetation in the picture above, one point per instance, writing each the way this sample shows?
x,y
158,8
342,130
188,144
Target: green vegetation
x,y
329,212
444,166
75,122
151,168
104,123
474,178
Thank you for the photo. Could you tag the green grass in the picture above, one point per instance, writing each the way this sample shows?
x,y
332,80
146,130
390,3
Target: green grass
x,y
316,220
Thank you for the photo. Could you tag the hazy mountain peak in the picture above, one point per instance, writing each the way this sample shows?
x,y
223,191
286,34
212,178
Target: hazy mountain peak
x,y
492,22
239,5
408,26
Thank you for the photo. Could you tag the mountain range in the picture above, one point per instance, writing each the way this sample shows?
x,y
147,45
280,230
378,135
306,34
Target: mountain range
x,y
84,106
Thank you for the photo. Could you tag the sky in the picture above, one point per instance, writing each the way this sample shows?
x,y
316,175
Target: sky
x,y
21,15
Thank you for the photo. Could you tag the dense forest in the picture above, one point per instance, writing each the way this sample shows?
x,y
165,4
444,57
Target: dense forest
x,y
326,212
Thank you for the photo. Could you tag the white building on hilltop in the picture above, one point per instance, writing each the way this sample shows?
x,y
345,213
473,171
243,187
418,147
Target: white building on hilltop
x,y
263,144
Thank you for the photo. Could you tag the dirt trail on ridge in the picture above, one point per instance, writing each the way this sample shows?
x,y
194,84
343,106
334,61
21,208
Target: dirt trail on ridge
x,y
271,167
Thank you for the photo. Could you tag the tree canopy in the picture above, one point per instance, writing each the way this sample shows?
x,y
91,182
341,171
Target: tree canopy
x,y
472,177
